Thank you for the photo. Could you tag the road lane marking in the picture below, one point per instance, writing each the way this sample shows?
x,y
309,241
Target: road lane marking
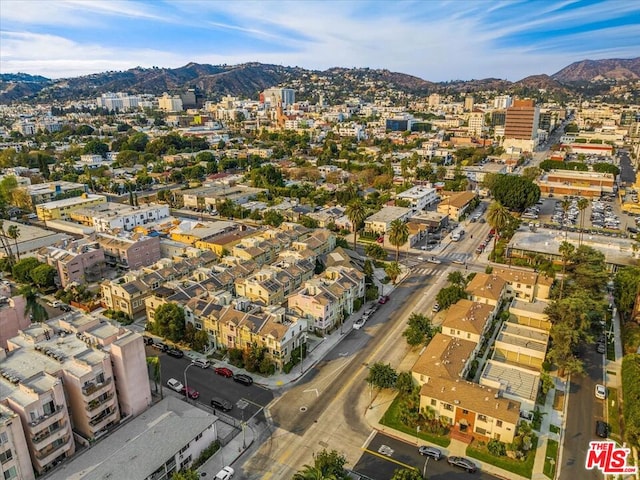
x,y
389,459
312,390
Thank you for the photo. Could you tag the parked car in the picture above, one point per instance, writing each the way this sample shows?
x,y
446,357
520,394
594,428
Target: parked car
x,y
225,474
201,362
358,324
436,307
174,384
601,348
463,462
383,299
432,452
221,403
163,347
64,307
190,392
175,352
601,392
147,340
243,379
602,429
224,371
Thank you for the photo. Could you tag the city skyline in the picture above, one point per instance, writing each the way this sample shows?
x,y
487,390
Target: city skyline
x,y
508,40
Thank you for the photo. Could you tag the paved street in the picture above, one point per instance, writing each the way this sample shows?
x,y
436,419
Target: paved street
x,y
584,409
385,454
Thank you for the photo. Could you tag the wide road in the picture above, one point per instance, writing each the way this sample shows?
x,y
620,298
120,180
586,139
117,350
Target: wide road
x,y
326,408
384,455
582,412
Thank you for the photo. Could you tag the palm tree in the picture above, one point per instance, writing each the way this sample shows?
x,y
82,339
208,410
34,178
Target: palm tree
x,y
4,243
312,473
156,371
566,204
356,212
32,307
583,203
393,270
14,232
566,250
498,216
398,235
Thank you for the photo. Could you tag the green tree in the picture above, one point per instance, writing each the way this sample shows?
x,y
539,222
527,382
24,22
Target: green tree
x,y
583,203
515,192
32,307
450,295
566,251
375,251
498,217
273,218
393,271
22,270
200,341
169,321
356,213
267,176
13,232
96,147
456,278
330,463
398,235
382,375
406,474
404,383
155,370
419,330
626,286
43,276
185,475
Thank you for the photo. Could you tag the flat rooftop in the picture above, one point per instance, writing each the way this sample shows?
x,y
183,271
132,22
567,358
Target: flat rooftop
x,y
513,380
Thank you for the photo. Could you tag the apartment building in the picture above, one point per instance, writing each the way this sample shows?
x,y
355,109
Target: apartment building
x,y
131,251
380,222
61,209
468,320
471,409
51,191
170,103
325,300
109,217
127,294
205,234
14,457
419,197
12,314
525,284
209,197
487,288
74,261
273,284
455,204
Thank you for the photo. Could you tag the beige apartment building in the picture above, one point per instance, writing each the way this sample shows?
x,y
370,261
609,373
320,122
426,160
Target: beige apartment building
x,y
13,443
71,380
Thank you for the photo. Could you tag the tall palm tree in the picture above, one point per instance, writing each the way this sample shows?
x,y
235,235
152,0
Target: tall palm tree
x,y
398,235
356,213
4,243
498,216
14,232
583,203
393,271
32,306
566,203
566,250
153,363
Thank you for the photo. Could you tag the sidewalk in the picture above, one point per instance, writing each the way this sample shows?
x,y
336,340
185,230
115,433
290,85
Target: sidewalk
x,y
228,454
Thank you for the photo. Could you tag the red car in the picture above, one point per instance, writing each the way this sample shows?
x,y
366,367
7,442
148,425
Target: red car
x,y
383,299
190,392
225,372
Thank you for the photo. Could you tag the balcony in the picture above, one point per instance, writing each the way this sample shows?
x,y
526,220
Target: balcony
x,y
100,420
48,433
97,402
45,455
49,416
90,388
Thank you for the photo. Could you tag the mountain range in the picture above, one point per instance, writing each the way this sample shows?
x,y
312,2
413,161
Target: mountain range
x,y
248,79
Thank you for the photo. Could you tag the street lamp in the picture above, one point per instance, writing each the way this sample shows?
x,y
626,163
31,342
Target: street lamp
x,y
186,387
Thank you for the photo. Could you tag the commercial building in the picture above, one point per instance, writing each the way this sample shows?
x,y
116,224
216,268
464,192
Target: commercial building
x,y
275,96
61,209
170,103
31,239
570,182
521,125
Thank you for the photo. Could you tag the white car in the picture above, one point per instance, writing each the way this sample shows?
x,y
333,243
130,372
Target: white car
x,y
433,260
358,324
225,474
601,392
201,362
174,384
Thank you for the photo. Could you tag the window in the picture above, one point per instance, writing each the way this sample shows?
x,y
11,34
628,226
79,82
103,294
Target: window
x,y
198,437
498,423
3,438
11,473
49,408
482,418
5,456
452,331
433,402
447,406
464,412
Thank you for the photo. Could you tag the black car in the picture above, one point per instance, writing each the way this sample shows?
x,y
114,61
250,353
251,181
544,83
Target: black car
x,y
163,347
221,404
243,379
601,348
175,352
65,308
147,340
464,463
432,452
602,429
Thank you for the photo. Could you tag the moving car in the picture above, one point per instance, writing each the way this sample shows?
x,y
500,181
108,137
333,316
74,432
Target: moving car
x,y
601,392
433,260
174,384
602,429
175,352
190,392
201,362
224,371
225,474
432,452
221,403
243,379
463,462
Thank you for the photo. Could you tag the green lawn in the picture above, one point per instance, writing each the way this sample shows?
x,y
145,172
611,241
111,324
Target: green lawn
x,y
554,428
551,454
518,467
390,419
611,350
614,414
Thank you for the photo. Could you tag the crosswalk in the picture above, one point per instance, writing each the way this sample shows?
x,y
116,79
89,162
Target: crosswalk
x,y
451,259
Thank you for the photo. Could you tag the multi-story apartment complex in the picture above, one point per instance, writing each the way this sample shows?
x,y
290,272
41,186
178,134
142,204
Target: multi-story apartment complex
x,y
419,197
170,103
209,197
14,456
61,209
69,380
74,261
273,284
108,217
119,101
129,252
51,191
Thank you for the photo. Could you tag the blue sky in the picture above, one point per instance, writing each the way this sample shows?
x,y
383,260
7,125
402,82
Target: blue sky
x,y
434,40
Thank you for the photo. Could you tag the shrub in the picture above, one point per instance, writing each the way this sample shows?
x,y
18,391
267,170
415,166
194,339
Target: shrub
x,y
497,448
